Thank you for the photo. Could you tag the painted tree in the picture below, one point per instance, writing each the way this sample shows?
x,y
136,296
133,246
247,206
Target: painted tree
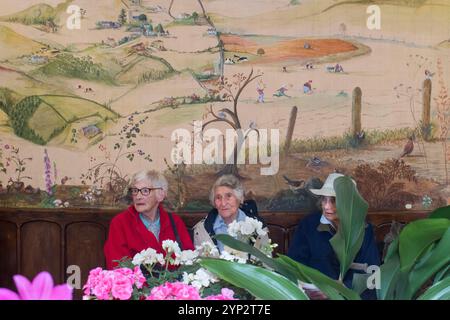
x,y
232,90
122,16
194,16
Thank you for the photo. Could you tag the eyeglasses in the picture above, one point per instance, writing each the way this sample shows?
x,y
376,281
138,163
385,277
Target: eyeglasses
x,y
143,191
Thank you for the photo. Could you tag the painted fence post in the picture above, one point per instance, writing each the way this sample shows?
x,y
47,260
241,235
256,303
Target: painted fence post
x,y
356,111
426,132
290,130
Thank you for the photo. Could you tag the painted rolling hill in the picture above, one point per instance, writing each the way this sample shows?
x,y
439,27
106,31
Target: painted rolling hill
x,y
41,118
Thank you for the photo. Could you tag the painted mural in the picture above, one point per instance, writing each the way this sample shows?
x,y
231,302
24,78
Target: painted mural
x,y
91,92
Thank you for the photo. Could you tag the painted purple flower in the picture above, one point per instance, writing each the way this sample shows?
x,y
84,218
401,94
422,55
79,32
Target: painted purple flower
x,y
40,289
6,146
47,173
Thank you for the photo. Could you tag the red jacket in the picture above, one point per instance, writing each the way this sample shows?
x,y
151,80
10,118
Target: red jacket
x,y
128,235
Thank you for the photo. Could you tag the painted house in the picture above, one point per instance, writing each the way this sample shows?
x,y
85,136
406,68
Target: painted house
x,y
212,31
91,131
36,59
108,25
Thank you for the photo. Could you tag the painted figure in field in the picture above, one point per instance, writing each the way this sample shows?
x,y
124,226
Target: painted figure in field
x,y
281,92
260,90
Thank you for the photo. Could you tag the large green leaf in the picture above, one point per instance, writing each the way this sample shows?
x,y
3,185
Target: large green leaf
x,y
439,291
443,212
437,259
444,273
392,249
260,282
390,274
352,210
293,270
416,237
359,282
283,269
330,287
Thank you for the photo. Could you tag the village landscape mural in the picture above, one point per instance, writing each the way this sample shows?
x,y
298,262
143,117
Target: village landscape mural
x,y
91,92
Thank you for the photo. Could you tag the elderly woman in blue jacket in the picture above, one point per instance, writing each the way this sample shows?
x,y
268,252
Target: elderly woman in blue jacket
x,y
227,197
311,244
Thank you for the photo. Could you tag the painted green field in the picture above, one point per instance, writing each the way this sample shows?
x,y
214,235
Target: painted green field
x,y
41,118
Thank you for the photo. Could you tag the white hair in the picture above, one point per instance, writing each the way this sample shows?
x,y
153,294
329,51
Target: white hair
x,y
231,182
156,179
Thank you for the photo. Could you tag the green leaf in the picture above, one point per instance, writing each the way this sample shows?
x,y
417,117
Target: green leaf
x,y
445,272
330,287
416,237
389,274
359,282
352,210
435,261
293,270
392,249
260,282
235,244
439,291
443,212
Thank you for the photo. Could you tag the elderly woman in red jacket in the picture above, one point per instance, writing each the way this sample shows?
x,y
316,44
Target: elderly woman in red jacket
x,y
145,224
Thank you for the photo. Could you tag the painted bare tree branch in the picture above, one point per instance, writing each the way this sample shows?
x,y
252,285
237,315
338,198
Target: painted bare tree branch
x,y
233,90
170,9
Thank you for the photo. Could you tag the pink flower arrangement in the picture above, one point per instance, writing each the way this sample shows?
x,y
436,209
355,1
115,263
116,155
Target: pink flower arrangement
x,y
225,294
113,284
174,291
182,291
41,288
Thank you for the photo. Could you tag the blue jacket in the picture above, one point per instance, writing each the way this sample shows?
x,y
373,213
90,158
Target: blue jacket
x,y
311,246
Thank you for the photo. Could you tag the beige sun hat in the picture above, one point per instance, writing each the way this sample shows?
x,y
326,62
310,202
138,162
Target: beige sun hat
x,y
327,189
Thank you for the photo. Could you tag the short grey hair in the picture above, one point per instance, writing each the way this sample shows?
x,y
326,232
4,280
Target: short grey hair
x,y
231,182
156,179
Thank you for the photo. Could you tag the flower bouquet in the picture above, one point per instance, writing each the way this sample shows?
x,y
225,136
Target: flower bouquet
x,y
176,274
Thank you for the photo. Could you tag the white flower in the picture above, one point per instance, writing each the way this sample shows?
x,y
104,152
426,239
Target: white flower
x,y
148,257
408,206
201,279
233,229
247,228
66,204
170,246
187,257
225,255
207,249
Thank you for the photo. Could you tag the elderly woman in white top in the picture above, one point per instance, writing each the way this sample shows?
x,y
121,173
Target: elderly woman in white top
x,y
227,197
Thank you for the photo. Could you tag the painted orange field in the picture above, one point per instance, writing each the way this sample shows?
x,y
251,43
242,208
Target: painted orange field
x,y
289,49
